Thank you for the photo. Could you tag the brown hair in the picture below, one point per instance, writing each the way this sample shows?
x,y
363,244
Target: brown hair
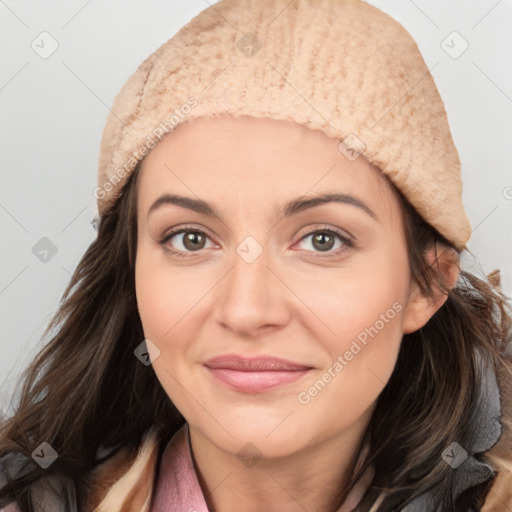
x,y
86,390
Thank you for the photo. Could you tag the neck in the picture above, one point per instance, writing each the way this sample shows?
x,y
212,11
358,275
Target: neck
x,y
313,478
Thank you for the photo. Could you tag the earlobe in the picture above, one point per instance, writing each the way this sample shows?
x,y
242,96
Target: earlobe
x,y
420,308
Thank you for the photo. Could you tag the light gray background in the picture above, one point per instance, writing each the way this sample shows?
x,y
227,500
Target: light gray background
x,y
54,110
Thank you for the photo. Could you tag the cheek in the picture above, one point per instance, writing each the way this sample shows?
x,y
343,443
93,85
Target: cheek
x,y
163,305
151,295
362,295
171,302
157,297
160,300
363,311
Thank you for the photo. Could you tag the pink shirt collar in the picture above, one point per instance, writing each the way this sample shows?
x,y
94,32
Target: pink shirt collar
x,y
178,490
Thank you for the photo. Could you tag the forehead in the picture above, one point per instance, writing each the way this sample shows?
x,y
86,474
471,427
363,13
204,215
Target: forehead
x,y
225,158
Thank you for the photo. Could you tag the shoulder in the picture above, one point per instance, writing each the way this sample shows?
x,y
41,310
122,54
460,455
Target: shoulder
x,y
499,497
124,482
104,476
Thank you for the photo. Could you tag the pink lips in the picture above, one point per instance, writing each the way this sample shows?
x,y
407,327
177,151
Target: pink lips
x,y
255,375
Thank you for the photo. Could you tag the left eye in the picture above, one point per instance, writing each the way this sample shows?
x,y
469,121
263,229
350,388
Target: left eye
x,y
323,240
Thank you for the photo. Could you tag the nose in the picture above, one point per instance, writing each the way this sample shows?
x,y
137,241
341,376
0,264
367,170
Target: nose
x,y
251,298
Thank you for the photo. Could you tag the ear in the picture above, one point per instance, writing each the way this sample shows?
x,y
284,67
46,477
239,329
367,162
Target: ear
x,y
420,309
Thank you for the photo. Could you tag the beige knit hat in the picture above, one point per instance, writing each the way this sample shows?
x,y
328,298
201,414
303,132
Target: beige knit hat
x,y
340,66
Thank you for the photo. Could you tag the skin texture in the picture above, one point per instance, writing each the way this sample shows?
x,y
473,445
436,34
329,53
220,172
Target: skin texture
x,y
292,302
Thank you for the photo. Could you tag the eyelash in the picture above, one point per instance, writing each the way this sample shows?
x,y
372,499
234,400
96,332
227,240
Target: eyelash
x,y
349,244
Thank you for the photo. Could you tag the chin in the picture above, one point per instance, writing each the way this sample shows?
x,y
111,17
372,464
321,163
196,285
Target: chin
x,y
263,436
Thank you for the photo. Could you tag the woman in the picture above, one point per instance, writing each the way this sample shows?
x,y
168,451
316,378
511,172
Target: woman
x,y
273,315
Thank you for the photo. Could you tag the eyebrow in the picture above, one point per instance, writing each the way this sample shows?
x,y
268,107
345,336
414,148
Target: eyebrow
x,y
290,208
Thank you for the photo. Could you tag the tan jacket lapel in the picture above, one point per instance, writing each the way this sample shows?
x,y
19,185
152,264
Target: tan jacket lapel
x,y
124,483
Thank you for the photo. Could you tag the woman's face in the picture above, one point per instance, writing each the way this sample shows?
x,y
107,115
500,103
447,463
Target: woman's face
x,y
254,273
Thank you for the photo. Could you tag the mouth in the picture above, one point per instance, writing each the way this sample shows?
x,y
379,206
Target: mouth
x,y
255,375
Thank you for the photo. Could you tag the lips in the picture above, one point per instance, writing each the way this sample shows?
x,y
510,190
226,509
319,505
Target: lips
x,y
255,375
264,363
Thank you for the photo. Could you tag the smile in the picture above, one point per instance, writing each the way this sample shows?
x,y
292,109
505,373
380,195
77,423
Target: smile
x,y
256,381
